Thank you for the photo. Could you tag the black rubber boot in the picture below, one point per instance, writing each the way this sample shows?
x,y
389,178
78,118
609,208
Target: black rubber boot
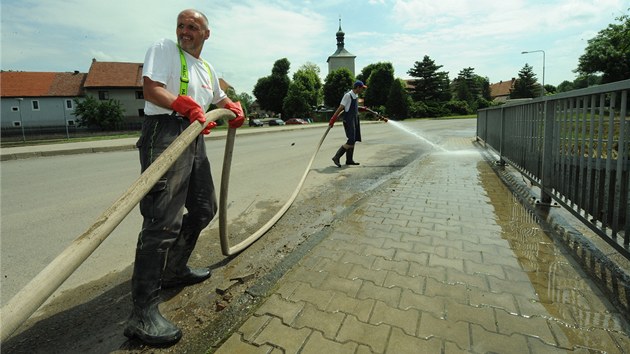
x,y
146,322
177,273
342,150
349,158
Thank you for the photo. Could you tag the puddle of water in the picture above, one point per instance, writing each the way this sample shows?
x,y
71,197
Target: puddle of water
x,y
405,129
463,153
563,293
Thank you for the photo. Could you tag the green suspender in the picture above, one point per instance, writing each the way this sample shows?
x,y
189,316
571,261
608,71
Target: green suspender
x,y
183,79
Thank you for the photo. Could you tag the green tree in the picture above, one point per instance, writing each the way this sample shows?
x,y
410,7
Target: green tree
x,y
336,84
304,92
379,84
465,86
608,52
312,70
565,86
583,81
231,93
458,107
472,89
580,82
397,106
281,67
271,90
296,102
366,72
106,115
486,94
430,85
526,86
245,99
308,76
550,89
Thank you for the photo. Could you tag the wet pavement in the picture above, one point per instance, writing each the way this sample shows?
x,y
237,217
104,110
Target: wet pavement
x,y
444,259
441,259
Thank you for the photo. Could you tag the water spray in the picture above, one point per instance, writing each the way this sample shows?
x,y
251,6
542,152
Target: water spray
x,y
405,129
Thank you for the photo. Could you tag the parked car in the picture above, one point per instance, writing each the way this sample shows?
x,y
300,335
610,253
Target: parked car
x,y
276,122
255,123
296,121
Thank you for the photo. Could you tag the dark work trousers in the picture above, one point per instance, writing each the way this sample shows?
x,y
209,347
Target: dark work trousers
x,y
351,123
188,183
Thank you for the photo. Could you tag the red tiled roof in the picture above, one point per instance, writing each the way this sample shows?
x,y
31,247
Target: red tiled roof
x,y
40,84
501,88
111,74
51,84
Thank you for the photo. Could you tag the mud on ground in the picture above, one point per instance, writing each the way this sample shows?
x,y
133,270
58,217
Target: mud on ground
x,y
91,318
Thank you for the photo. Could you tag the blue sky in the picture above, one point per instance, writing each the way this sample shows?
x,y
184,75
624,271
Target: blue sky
x,y
249,36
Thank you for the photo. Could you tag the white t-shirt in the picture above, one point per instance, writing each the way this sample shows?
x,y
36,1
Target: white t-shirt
x,y
345,100
162,64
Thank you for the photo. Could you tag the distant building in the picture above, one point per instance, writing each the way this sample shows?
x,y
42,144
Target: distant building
x,y
39,99
500,92
123,82
341,58
46,99
117,81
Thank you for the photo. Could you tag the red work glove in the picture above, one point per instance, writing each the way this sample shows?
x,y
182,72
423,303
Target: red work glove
x,y
187,107
208,127
332,121
236,108
363,109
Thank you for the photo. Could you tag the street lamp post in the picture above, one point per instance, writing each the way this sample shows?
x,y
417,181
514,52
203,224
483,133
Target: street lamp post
x,y
542,92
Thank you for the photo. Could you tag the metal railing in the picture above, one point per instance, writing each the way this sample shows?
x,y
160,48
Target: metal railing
x,y
575,146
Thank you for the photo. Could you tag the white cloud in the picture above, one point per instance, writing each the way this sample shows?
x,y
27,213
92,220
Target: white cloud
x,y
254,35
249,36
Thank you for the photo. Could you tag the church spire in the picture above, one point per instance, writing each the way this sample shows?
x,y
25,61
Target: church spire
x,y
341,58
340,36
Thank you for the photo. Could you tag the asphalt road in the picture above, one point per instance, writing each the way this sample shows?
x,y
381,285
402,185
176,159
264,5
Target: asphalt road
x,y
47,202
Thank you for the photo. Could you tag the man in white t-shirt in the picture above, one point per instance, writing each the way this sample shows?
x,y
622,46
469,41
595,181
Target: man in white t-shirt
x,y
350,106
179,86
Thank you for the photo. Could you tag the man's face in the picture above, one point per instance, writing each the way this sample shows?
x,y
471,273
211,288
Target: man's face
x,y
191,32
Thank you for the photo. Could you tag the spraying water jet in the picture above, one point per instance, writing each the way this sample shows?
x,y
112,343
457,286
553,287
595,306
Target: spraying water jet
x,y
405,129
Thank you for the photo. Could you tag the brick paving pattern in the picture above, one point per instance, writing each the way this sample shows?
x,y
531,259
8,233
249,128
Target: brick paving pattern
x,y
440,261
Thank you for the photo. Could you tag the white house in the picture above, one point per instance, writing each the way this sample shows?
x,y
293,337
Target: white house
x,y
39,99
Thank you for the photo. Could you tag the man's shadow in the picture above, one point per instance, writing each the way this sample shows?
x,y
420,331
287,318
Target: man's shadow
x,y
95,326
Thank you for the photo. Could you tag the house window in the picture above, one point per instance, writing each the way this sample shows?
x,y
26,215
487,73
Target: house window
x,y
15,109
17,123
35,105
70,123
69,104
103,95
139,95
141,112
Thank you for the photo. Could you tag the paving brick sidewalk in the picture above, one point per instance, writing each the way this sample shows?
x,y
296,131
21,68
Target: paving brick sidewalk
x,y
442,260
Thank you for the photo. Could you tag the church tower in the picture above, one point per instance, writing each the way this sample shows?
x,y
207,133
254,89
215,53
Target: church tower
x,y
341,58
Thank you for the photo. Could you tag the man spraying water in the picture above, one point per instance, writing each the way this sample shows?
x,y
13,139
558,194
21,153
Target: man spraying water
x,y
349,104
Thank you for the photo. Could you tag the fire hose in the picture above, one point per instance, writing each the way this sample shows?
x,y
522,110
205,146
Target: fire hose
x,y
378,115
223,229
225,178
40,288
